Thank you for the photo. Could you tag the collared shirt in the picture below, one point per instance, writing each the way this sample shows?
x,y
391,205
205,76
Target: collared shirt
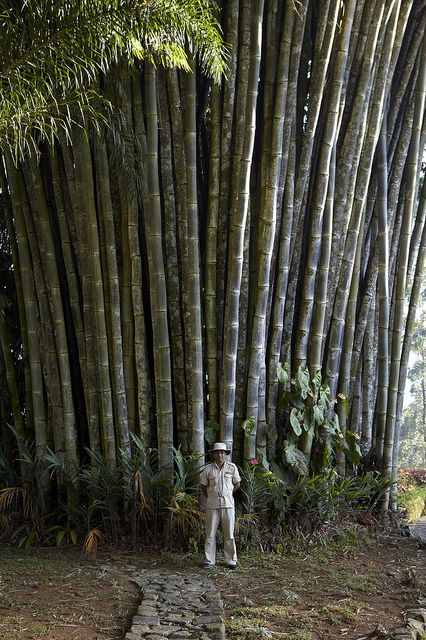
x,y
220,484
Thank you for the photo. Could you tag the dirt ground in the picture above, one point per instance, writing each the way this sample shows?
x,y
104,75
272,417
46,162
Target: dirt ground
x,y
321,592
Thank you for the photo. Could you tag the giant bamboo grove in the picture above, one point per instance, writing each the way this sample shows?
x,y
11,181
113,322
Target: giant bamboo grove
x,y
164,267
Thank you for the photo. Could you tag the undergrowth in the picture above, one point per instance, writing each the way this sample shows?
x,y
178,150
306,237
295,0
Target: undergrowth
x,y
413,502
135,504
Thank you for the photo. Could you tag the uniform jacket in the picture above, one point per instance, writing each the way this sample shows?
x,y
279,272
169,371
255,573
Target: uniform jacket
x,y
220,484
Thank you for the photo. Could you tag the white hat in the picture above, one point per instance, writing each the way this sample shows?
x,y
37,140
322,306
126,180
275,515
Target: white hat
x,y
220,446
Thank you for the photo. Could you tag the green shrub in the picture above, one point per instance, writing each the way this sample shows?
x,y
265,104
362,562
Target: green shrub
x,y
413,502
133,500
270,505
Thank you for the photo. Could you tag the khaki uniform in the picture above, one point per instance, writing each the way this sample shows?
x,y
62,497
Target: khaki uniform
x,y
220,509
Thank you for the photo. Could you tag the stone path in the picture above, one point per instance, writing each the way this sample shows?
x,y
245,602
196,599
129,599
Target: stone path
x,y
177,607
418,528
188,606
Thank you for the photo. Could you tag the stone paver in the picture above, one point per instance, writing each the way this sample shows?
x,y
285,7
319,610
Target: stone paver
x,y
415,628
177,607
418,528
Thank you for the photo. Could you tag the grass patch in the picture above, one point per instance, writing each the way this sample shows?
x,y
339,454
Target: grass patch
x,y
41,631
340,613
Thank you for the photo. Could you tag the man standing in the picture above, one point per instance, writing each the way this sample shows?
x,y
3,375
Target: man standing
x,y
219,480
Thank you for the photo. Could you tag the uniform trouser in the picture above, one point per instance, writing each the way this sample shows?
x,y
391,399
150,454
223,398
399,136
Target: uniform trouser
x,y
225,517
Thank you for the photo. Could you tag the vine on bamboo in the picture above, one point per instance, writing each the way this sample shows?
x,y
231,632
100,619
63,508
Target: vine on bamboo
x,y
311,418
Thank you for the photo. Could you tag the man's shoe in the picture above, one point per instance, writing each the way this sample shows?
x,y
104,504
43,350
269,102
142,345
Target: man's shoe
x,y
232,566
207,565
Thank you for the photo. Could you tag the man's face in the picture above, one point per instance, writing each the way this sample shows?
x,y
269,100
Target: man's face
x,y
219,457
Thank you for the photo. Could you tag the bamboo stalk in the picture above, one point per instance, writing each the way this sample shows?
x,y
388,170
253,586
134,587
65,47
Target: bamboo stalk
x,y
31,309
317,335
75,328
257,437
157,280
174,297
79,236
95,282
134,231
321,190
15,403
406,347
113,306
8,216
350,156
211,290
383,291
236,240
323,52
178,132
385,445
234,97
359,202
285,201
369,374
193,274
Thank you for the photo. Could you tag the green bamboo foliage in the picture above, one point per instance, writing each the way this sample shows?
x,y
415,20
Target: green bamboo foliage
x,y
165,267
